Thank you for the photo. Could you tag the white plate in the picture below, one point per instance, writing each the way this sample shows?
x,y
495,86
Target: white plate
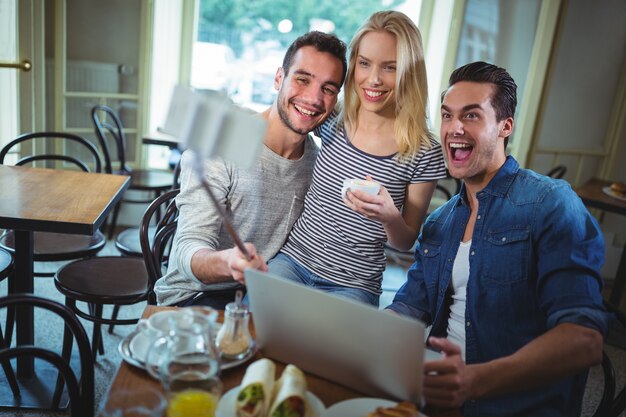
x,y
226,407
358,407
134,347
611,193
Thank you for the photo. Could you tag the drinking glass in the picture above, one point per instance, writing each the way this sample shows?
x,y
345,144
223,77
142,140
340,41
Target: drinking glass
x,y
144,402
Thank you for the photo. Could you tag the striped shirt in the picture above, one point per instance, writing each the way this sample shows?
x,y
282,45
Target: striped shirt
x,y
335,242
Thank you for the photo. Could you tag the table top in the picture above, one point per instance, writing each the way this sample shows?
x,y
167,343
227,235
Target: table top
x,y
592,195
330,393
57,200
161,138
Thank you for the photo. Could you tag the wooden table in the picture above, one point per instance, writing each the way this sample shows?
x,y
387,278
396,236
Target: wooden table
x,y
47,200
592,195
129,377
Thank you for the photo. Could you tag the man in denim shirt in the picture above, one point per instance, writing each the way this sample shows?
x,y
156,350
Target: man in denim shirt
x,y
506,272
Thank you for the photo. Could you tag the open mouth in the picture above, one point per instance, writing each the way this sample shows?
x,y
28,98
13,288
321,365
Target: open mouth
x,y
373,95
306,112
460,151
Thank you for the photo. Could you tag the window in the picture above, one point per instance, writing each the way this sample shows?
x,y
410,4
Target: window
x,y
502,33
239,45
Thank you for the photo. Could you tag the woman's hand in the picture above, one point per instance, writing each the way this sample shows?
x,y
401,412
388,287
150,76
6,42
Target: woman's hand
x,y
378,207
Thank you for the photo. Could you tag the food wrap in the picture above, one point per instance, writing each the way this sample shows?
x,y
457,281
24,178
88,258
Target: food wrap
x,y
290,395
257,386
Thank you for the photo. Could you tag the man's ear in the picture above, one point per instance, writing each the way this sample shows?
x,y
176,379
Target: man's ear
x,y
507,127
279,78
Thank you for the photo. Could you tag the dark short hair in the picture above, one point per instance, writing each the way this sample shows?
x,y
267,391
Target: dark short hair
x,y
323,42
504,98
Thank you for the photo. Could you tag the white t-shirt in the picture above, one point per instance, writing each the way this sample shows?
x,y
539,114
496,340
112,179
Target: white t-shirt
x,y
460,275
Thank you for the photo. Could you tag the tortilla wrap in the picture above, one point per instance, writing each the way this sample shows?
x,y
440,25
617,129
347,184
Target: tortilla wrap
x,y
290,390
257,386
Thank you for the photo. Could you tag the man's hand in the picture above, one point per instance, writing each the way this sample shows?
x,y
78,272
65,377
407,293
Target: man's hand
x,y
237,262
447,382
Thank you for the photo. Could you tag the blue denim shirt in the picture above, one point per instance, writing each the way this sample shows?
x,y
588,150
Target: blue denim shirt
x,y
535,258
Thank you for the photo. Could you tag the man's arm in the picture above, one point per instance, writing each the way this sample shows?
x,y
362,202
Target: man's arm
x,y
199,225
560,352
215,266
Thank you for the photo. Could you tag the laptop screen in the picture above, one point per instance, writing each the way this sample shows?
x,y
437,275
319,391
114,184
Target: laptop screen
x,y
376,352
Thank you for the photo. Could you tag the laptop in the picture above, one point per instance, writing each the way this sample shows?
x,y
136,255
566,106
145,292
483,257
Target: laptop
x,y
376,352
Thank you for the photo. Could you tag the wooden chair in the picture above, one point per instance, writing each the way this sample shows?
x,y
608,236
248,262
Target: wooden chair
x,y
156,249
108,124
127,241
108,280
6,268
155,240
606,401
81,394
617,405
50,247
557,172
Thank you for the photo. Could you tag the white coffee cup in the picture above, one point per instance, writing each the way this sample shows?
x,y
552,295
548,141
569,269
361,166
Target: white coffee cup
x,y
353,184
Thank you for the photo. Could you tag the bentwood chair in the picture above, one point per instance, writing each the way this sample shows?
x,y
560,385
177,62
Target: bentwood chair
x,y
155,247
81,393
6,268
6,271
155,239
109,280
55,148
606,401
618,404
557,172
127,241
108,125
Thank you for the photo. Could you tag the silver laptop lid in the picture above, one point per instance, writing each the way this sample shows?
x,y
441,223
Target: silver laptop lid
x,y
372,351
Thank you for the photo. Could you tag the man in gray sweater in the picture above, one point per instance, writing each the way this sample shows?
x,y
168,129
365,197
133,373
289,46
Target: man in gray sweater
x,y
205,267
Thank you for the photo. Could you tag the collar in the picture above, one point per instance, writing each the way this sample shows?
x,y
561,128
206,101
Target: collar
x,y
500,183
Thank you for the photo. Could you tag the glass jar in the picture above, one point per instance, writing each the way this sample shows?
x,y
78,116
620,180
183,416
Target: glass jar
x,y
187,363
233,339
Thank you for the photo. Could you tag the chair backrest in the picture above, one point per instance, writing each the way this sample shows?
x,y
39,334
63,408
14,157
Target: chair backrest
x,y
107,122
606,401
617,404
81,393
557,172
443,190
155,253
52,141
6,264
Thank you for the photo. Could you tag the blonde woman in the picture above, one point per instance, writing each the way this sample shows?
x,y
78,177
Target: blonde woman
x,y
381,134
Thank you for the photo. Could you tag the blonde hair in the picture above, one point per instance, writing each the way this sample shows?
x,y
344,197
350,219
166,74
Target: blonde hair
x,y
411,129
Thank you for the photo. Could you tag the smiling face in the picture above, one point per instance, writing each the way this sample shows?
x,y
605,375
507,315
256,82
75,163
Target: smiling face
x,y
472,137
308,93
375,72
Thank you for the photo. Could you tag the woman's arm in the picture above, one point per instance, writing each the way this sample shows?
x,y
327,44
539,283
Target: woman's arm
x,y
401,228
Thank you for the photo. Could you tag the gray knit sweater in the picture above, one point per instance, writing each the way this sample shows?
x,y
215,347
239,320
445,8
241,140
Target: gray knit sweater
x,y
263,204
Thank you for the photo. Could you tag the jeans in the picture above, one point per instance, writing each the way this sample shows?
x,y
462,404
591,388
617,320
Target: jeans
x,y
286,267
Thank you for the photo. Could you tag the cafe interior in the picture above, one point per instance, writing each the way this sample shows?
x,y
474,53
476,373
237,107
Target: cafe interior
x,y
101,76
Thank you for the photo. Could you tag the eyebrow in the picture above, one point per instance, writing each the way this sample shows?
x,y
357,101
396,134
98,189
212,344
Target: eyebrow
x,y
384,62
464,109
308,74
